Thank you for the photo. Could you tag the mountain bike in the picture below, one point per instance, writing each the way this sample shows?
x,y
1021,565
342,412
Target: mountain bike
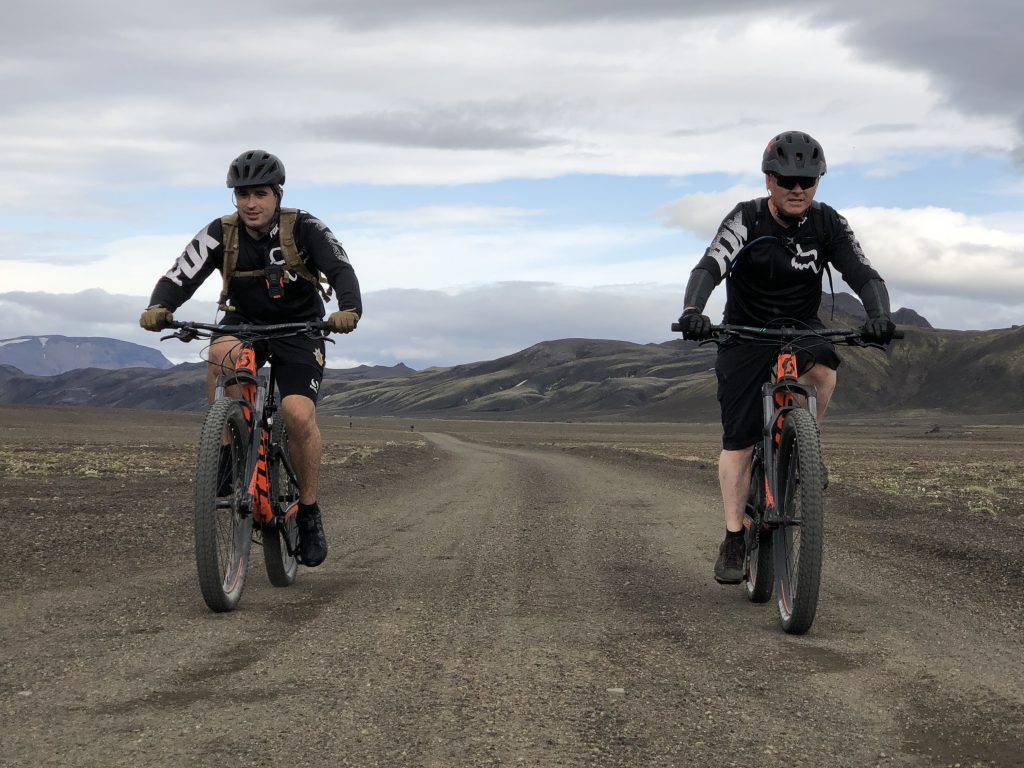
x,y
784,519
246,488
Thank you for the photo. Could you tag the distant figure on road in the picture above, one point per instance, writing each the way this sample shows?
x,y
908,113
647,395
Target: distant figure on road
x,y
271,267
772,253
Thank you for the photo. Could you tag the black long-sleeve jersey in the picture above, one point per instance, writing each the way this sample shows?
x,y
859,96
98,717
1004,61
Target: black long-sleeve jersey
x,y
774,273
317,247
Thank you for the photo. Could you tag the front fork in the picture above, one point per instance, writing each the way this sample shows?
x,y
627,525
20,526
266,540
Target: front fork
x,y
778,399
258,417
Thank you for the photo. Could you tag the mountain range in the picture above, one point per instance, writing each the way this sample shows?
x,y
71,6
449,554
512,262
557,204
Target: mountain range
x,y
51,355
969,371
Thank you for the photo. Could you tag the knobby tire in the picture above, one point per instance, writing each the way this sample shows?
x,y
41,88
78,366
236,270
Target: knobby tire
x,y
223,531
282,532
798,548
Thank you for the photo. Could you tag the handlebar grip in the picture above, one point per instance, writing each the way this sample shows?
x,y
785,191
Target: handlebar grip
x,y
676,328
898,334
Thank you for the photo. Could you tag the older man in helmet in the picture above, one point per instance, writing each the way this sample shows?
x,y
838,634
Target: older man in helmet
x,y
772,253
262,288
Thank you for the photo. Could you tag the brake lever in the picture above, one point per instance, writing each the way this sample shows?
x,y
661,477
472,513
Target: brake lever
x,y
316,333
860,341
184,334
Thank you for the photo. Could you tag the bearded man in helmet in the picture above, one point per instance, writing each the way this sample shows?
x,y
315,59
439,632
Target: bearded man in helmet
x,y
271,276
772,253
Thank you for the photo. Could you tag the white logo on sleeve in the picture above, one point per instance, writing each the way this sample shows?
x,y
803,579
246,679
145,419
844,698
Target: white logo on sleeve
x,y
314,385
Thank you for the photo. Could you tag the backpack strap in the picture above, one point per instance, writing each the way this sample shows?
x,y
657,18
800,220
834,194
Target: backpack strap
x,y
818,225
290,251
229,234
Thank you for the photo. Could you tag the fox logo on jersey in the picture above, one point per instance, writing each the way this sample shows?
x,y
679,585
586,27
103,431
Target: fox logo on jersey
x,y
803,259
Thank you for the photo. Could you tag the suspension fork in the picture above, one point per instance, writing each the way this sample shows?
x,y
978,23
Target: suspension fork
x,y
778,398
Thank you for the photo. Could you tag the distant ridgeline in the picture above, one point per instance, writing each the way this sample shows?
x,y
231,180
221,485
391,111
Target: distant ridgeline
x,y
50,355
588,379
848,311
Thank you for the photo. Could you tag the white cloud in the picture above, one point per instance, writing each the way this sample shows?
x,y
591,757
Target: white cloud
x,y
935,251
624,97
144,106
442,215
445,258
703,212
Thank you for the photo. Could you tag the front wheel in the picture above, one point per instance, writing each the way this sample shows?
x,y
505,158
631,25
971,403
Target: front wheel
x,y
760,569
799,539
281,535
223,529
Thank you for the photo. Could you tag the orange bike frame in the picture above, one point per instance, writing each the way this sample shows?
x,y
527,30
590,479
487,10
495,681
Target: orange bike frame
x,y
785,368
259,481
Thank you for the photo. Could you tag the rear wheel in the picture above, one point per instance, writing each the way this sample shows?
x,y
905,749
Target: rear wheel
x,y
223,530
799,539
281,535
760,569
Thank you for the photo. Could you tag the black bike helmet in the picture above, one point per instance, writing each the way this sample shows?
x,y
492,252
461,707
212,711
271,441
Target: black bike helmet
x,y
255,168
793,154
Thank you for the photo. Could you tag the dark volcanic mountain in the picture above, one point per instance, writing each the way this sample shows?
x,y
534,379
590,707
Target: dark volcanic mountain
x,y
598,379
848,311
50,355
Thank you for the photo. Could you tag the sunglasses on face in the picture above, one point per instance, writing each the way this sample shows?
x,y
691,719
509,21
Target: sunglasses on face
x,y
788,182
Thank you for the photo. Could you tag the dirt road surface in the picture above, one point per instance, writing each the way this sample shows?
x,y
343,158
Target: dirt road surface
x,y
502,594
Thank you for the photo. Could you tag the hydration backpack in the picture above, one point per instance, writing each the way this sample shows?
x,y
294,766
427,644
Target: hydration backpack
x,y
274,275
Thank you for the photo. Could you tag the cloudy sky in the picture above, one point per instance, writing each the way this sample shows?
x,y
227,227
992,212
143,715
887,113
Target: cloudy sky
x,y
503,173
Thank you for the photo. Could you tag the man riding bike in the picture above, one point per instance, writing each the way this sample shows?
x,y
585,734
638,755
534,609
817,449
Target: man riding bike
x,y
271,260
772,253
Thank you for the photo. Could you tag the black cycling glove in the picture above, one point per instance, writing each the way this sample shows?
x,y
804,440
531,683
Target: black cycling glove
x,y
875,297
879,330
694,325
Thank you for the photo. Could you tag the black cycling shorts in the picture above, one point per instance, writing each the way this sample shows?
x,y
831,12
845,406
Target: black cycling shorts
x,y
297,361
742,368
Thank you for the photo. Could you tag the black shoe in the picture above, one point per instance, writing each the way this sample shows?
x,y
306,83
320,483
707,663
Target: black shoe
x,y
729,566
312,539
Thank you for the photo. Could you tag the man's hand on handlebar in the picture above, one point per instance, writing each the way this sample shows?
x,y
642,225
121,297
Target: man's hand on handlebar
x,y
156,318
343,321
879,330
694,325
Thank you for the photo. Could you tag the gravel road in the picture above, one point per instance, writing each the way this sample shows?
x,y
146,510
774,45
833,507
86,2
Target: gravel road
x,y
495,595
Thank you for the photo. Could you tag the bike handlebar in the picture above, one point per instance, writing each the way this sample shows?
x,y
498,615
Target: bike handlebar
x,y
187,331
851,336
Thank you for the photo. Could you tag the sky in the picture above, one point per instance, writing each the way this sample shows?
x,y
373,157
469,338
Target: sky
x,y
502,173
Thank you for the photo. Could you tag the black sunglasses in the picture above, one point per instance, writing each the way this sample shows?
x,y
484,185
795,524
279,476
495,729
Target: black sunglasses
x,y
788,182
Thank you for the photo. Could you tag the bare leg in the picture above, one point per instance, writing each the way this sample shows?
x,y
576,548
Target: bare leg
x,y
824,380
304,443
221,359
734,477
